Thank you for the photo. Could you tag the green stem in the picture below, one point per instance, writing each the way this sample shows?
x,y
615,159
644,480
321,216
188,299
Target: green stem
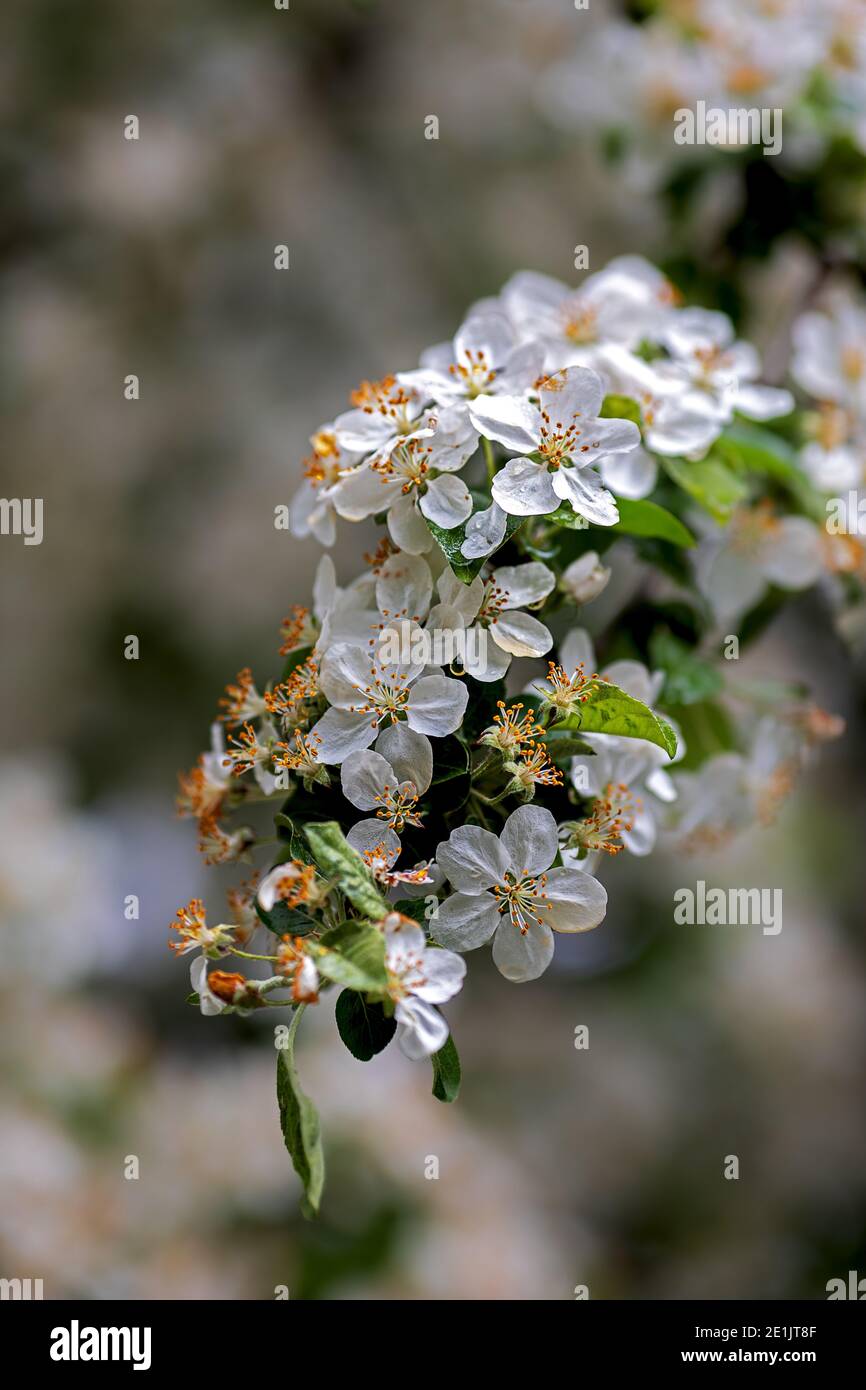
x,y
250,955
488,458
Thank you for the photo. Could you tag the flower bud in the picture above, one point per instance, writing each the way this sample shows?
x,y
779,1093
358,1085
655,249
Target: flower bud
x,y
585,578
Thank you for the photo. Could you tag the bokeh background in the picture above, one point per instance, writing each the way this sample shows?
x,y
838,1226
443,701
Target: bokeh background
x,y
558,1167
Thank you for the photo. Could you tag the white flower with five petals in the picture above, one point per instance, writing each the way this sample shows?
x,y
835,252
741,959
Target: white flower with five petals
x,y
388,780
366,689
506,889
557,439
489,608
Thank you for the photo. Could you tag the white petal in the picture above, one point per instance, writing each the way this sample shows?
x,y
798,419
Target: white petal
x,y
473,859
510,420
587,495
578,900
791,556
463,922
436,705
629,475
529,839
409,753
569,394
363,492
446,502
524,488
484,659
522,956
485,532
521,635
407,528
369,835
339,734
404,587
421,1029
577,650
466,598
444,973
364,778
524,584
762,402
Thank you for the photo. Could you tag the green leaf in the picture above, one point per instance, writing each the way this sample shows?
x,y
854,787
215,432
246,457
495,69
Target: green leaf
x,y
337,860
296,846
446,1071
707,730
563,745
610,710
352,954
710,482
616,407
282,919
365,1028
644,518
566,516
299,1121
688,679
450,543
412,907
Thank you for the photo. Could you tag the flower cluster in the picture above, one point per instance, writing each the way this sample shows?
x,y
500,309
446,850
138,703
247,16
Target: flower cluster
x,y
449,762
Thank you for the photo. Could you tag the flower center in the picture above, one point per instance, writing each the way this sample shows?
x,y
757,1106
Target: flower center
x,y
474,373
580,323
524,899
409,461
382,698
398,805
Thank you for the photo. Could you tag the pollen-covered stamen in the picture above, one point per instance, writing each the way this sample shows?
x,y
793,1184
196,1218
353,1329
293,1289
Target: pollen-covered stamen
x,y
830,425
301,756
289,700
558,440
241,701
511,728
190,924
475,373
297,884
710,360
580,322
853,361
492,604
409,461
323,465
378,558
524,899
386,697
388,400
397,806
298,629
241,903
219,846
564,691
534,768
198,795
296,965
247,751
611,814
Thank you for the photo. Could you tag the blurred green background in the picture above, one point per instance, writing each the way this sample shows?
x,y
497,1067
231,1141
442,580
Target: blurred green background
x,y
558,1167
